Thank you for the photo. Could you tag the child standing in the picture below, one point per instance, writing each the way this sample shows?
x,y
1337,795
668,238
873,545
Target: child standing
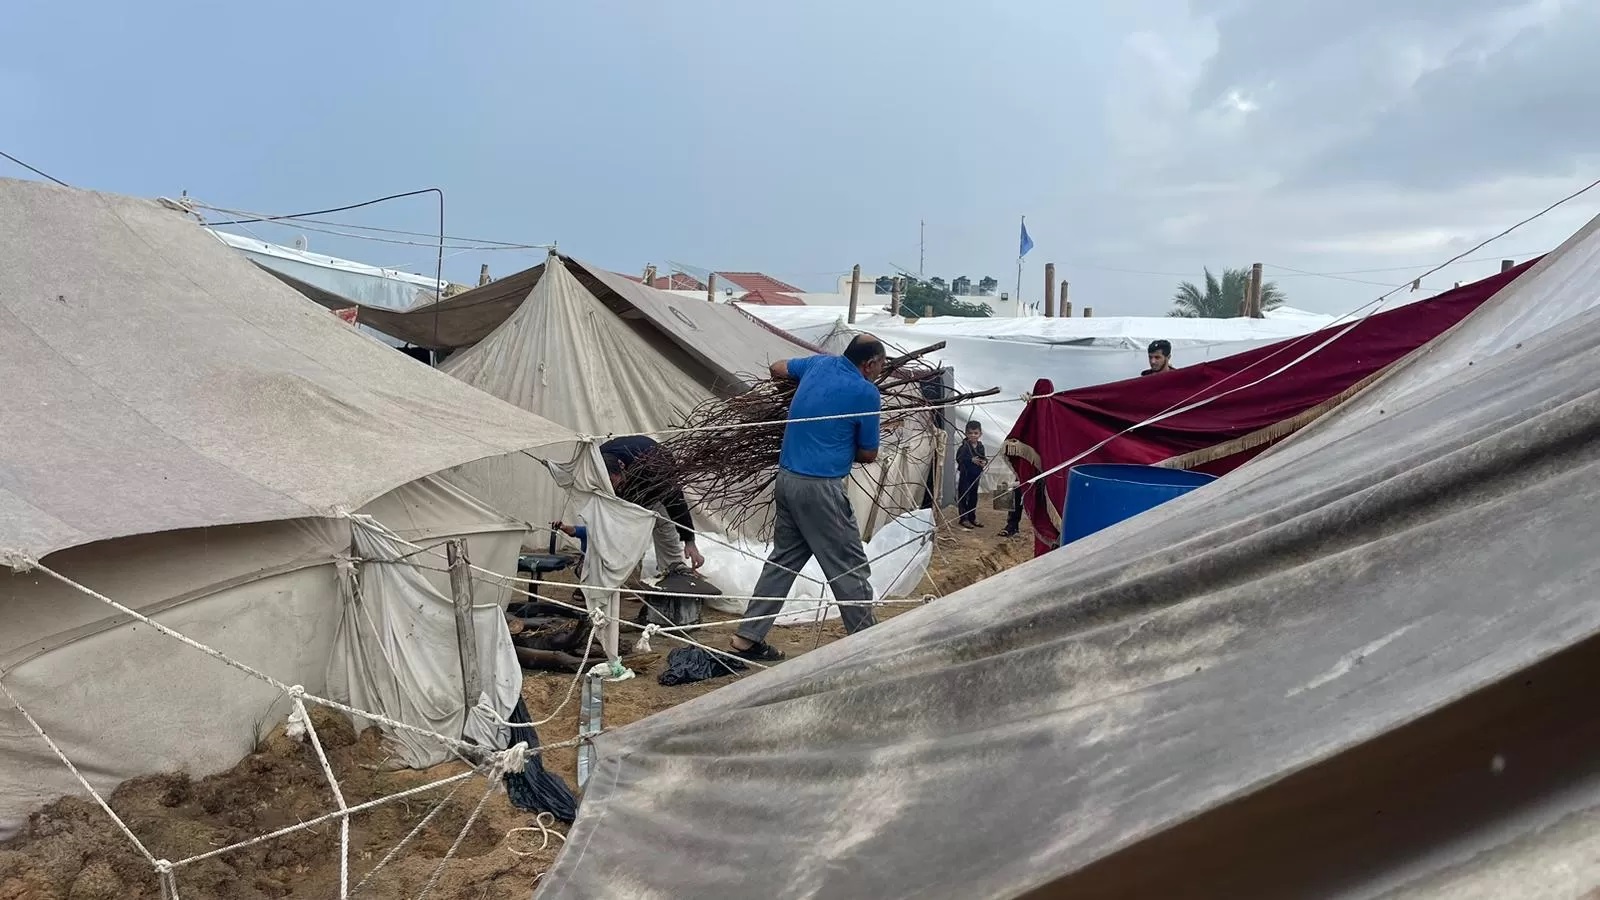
x,y
970,462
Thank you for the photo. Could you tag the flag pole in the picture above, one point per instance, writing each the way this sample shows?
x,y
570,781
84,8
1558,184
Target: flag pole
x,y
1020,254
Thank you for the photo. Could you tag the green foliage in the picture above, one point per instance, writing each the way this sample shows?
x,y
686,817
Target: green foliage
x,y
1221,298
921,295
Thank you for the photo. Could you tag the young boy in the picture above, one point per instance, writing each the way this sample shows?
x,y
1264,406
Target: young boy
x,y
970,462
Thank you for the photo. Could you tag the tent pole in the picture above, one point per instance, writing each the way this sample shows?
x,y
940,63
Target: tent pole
x,y
466,635
855,286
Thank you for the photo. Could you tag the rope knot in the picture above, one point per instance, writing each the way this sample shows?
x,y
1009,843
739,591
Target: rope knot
x,y
644,639
597,616
297,691
163,867
17,561
510,760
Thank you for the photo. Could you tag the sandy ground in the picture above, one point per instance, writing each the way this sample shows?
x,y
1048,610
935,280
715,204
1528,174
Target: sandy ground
x,y
71,851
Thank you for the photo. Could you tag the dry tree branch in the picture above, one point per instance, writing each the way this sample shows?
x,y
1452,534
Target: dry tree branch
x,y
729,467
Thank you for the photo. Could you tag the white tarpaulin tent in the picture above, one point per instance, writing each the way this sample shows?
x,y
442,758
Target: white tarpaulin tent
x,y
189,437
1011,353
1361,665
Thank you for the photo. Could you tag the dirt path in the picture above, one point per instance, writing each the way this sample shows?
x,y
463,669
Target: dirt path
x,y
71,851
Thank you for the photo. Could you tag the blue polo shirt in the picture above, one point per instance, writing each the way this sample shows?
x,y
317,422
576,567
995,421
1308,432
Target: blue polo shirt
x,y
829,386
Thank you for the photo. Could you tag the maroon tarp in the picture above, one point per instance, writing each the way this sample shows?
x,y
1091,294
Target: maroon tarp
x,y
1239,418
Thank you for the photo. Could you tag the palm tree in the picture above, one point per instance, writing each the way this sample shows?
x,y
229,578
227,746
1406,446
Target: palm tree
x,y
1222,298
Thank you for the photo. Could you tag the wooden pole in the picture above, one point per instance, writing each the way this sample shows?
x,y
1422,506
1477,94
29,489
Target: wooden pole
x,y
1066,305
466,634
927,312
894,298
1088,312
711,288
855,287
877,500
1507,265
1049,290
1255,291
483,275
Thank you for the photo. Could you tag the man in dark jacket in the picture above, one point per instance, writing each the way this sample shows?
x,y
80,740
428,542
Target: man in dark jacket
x,y
642,473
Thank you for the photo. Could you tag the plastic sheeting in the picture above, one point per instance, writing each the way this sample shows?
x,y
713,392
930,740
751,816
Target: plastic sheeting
x,y
1012,353
392,651
1188,703
899,552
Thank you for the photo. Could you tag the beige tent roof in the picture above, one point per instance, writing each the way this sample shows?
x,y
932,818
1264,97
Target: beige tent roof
x,y
567,357
720,341
156,380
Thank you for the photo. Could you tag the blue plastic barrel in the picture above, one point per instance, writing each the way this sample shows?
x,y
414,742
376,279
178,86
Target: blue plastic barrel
x,y
1099,496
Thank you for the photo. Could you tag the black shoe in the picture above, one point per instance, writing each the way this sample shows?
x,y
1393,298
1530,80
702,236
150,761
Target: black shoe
x,y
1008,532
760,651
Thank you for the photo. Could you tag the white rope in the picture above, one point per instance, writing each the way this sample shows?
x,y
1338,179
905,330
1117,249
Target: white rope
x,y
297,693
497,764
472,819
219,656
328,817
1185,405
546,832
84,782
740,426
406,841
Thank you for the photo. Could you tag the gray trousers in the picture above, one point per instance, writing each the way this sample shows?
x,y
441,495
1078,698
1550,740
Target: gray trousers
x,y
669,547
813,519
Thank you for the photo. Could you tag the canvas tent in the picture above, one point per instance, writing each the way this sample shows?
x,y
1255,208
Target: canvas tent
x,y
606,355
1214,416
571,358
187,436
1359,665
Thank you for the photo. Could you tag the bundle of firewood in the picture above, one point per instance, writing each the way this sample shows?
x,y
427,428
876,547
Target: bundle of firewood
x,y
727,456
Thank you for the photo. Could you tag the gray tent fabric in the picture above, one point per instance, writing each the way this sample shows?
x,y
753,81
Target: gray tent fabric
x,y
720,342
727,341
1176,705
458,321
184,387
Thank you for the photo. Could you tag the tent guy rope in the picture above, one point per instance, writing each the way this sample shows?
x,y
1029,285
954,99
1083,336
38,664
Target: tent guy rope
x,y
490,763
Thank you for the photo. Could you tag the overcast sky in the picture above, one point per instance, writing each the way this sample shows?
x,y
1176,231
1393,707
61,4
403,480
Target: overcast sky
x,y
801,137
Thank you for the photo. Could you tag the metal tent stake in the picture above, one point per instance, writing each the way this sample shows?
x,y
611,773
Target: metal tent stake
x,y
589,725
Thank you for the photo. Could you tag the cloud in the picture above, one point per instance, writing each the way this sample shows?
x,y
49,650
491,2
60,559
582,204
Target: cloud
x,y
1524,109
1333,135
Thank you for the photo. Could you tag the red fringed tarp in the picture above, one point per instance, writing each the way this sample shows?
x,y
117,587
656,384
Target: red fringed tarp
x,y
1239,417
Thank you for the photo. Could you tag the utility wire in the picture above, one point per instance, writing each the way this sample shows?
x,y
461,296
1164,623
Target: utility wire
x,y
296,220
323,212
33,170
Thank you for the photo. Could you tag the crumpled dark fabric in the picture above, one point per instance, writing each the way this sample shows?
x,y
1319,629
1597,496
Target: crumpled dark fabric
x,y
535,789
686,665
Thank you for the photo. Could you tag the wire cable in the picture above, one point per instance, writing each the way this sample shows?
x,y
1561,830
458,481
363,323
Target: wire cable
x,y
33,170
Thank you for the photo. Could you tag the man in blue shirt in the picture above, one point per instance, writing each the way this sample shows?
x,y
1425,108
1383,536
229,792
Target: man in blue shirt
x,y
813,514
